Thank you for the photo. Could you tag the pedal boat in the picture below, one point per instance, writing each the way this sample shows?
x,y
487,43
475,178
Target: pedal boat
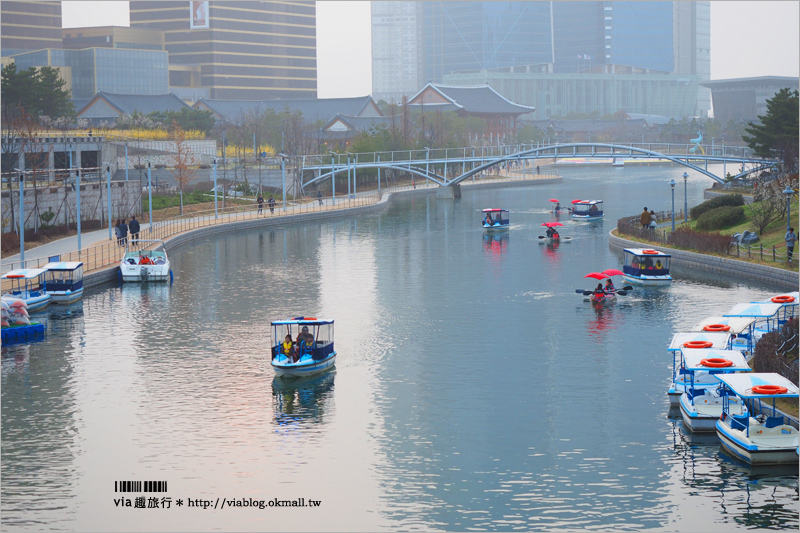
x,y
28,285
697,340
587,209
316,356
763,436
701,407
741,330
499,218
64,281
644,266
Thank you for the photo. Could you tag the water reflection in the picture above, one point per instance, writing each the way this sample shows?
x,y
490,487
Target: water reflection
x,y
495,244
301,402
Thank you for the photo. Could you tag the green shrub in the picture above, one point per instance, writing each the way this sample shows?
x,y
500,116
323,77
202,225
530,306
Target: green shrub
x,y
720,217
719,201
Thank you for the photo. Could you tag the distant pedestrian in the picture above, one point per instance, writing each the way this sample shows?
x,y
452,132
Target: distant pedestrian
x,y
653,219
790,239
271,203
133,225
260,201
319,197
118,232
123,230
645,218
538,170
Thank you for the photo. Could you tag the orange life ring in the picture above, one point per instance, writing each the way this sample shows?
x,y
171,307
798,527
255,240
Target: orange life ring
x,y
716,362
769,389
698,344
650,252
784,299
717,327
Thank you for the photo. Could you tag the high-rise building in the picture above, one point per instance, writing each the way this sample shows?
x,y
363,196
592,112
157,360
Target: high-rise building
x,y
244,49
26,26
623,46
396,49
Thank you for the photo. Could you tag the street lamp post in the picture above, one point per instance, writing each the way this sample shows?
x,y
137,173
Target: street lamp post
x,y
214,161
672,185
333,178
788,191
108,189
685,199
283,178
150,195
22,219
126,161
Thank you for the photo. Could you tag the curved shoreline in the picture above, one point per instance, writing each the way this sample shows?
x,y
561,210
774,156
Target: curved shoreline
x,y
109,273
781,279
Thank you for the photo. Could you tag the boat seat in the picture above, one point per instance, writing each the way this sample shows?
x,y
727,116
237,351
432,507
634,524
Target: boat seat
x,y
773,421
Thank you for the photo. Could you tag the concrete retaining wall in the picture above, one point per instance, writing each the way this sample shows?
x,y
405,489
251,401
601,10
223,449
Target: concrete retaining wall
x,y
777,277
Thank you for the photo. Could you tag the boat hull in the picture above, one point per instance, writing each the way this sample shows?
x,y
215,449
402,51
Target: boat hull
x,y
66,297
134,273
649,280
702,417
587,217
771,447
303,367
550,240
496,227
34,303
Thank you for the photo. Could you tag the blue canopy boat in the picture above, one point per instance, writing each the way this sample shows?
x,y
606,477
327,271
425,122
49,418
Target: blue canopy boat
x,y
309,350
64,281
495,219
587,209
646,267
28,285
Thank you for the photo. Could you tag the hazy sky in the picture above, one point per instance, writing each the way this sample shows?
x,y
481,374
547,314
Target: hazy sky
x,y
754,38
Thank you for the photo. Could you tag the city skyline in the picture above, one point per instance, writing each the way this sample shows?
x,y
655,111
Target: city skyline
x,y
344,39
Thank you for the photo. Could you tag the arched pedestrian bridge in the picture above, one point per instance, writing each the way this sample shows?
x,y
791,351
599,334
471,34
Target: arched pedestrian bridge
x,y
449,167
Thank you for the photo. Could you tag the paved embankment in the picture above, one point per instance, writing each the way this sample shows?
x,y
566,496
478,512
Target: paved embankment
x,y
778,277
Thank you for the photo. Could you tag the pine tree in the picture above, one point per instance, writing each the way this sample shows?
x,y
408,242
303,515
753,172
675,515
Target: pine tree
x,y
778,134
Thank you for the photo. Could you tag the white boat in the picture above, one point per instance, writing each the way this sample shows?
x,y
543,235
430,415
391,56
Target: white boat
x,y
587,209
767,316
692,341
764,435
64,281
495,219
790,305
701,406
645,266
146,264
310,347
740,329
28,285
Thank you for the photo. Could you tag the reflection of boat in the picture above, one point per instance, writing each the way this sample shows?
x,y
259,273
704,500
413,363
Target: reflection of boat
x,y
764,435
28,285
646,267
64,281
304,398
587,209
494,219
495,243
145,265
688,341
701,406
312,351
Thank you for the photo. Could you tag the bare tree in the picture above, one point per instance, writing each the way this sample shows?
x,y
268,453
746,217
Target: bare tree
x,y
768,207
183,161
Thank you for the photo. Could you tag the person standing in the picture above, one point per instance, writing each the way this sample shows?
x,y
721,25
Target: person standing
x,y
790,239
271,203
118,232
260,201
319,197
133,225
123,230
645,218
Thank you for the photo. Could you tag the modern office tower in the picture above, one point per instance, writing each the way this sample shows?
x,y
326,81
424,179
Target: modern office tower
x,y
396,49
692,30
118,71
245,50
113,37
469,35
26,26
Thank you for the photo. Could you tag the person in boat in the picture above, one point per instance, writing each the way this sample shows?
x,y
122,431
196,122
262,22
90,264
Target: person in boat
x,y
550,231
598,293
286,347
658,264
145,260
489,219
304,338
609,288
558,207
497,218
593,208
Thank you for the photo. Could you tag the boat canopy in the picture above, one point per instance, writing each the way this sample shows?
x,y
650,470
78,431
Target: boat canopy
x,y
742,384
736,324
495,210
588,203
645,252
718,340
693,360
24,273
755,310
302,320
62,265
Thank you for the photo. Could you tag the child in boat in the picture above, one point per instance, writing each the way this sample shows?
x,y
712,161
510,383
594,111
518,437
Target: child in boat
x,y
489,219
599,293
286,347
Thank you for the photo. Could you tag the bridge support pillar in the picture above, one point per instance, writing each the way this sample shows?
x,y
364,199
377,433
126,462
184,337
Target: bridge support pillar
x,y
451,191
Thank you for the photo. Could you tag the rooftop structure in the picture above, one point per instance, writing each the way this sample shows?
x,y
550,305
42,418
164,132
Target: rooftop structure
x,y
745,99
109,107
26,26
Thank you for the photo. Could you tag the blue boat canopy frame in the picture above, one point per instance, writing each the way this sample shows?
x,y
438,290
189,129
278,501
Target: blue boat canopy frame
x,y
320,329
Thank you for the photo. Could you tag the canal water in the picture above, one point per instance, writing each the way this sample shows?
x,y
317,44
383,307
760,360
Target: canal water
x,y
473,390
